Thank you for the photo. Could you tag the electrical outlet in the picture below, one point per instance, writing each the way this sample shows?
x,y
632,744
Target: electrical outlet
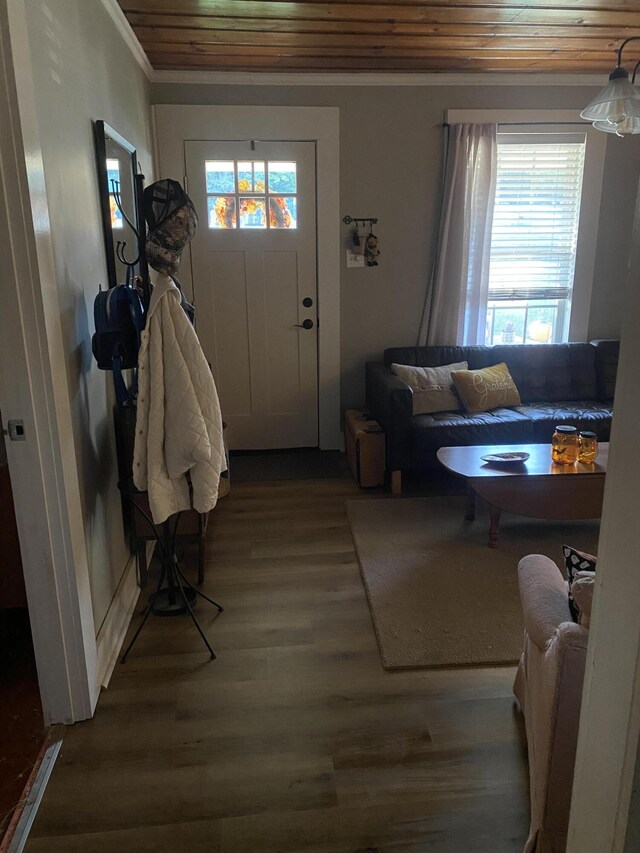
x,y
354,260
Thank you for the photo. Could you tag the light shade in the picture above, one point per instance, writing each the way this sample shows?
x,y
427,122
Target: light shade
x,y
628,127
617,102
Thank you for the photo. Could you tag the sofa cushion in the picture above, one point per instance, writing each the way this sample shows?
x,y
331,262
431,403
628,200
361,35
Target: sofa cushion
x,y
607,353
448,429
485,389
542,373
433,388
582,414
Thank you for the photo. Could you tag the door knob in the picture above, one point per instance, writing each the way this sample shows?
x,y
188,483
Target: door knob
x,y
306,324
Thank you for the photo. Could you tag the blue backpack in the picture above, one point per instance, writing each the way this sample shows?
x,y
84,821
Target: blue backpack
x,y
119,319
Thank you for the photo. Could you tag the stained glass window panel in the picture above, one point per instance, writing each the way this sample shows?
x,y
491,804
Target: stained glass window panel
x,y
220,176
282,178
253,213
222,211
283,212
251,176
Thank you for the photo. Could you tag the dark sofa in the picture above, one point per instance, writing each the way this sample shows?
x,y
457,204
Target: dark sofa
x,y
558,383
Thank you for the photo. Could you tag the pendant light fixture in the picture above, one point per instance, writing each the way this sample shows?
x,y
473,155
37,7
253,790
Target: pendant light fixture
x,y
630,126
616,108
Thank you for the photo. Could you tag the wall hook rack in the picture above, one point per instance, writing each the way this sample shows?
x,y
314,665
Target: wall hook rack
x,y
121,245
363,219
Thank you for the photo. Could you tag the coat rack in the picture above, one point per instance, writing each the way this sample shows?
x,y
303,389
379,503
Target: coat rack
x,y
357,219
368,248
174,594
140,235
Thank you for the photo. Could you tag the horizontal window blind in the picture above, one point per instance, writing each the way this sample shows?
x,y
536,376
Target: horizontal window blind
x,y
535,220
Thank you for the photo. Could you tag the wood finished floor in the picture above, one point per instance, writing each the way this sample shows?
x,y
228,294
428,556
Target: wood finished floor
x,y
295,739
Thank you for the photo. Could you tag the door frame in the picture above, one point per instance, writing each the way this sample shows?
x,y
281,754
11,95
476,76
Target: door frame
x,y
177,124
33,388
605,809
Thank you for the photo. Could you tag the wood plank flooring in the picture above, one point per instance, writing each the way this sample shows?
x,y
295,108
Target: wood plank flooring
x,y
295,739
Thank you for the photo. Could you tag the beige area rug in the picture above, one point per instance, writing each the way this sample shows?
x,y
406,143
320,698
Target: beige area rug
x,y
438,595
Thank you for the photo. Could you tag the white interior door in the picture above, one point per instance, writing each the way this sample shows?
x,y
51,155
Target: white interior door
x,y
255,290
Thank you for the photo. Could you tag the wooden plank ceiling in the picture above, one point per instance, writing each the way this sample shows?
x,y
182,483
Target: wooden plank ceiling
x,y
569,36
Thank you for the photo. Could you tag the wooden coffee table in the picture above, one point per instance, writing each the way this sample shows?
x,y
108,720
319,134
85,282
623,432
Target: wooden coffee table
x,y
536,488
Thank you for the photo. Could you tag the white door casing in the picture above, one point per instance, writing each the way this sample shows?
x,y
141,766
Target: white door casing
x,y
33,388
177,124
249,284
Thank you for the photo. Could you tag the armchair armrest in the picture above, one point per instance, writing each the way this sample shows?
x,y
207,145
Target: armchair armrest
x,y
544,597
390,401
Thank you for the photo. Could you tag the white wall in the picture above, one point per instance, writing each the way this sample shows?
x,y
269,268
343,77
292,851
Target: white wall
x,y
82,70
390,165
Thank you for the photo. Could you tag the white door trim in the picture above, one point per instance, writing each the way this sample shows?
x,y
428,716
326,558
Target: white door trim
x,y
604,805
33,387
177,124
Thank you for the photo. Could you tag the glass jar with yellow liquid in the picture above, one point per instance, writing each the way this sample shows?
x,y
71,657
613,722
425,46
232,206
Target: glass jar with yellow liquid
x,y
587,447
564,445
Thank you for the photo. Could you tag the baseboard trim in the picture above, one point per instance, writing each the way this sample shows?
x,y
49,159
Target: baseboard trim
x,y
18,834
114,628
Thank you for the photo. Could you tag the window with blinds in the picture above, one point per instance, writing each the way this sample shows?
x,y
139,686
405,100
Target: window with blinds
x,y
534,238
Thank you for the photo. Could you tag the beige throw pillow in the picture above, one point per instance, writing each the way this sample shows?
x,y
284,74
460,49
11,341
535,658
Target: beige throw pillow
x,y
485,389
432,387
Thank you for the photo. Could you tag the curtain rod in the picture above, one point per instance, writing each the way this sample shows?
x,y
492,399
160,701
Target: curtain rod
x,y
528,123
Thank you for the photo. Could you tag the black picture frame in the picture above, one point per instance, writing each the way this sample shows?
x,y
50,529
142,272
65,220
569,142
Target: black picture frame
x,y
110,144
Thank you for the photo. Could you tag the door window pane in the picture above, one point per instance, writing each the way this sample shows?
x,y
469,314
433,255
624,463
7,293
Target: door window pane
x,y
251,178
253,213
237,194
222,211
282,177
283,212
220,176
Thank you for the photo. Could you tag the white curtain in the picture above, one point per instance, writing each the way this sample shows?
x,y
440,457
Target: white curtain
x,y
456,300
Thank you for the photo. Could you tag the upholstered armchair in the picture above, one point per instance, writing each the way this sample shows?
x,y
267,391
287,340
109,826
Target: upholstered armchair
x,y
548,687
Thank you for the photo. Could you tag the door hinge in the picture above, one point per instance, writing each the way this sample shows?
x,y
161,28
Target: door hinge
x,y
186,183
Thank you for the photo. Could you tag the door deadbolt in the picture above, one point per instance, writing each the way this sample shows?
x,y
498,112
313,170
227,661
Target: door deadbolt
x,y
307,302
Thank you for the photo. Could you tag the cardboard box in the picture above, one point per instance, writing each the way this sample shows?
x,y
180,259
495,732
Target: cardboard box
x,y
364,446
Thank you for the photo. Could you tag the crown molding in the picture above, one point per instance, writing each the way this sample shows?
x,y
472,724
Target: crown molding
x,y
131,39
249,78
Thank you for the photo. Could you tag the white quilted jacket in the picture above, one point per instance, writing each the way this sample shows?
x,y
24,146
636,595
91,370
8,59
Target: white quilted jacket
x,y
178,420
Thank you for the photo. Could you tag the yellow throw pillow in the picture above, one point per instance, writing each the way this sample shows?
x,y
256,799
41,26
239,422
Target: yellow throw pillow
x,y
488,388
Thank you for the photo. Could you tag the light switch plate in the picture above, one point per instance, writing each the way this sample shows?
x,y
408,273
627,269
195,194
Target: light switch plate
x,y
354,260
